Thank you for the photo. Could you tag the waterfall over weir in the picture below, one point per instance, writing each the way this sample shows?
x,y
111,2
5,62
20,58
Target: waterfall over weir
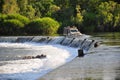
x,y
25,51
76,42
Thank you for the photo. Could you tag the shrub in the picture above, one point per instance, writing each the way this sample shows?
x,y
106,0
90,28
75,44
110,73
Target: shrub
x,y
12,26
2,17
19,17
44,26
13,23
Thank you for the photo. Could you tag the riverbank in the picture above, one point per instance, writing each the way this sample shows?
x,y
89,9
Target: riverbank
x,y
99,65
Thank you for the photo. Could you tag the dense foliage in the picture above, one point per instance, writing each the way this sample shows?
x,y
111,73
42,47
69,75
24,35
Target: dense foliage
x,y
12,24
87,15
43,26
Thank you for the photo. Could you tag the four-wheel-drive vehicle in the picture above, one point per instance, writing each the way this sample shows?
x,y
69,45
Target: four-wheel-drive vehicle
x,y
71,31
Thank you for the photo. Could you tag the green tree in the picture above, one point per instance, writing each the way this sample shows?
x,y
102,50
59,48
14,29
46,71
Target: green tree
x,y
89,22
109,15
116,15
42,7
23,6
2,19
12,27
26,9
43,26
1,5
10,7
12,24
19,17
78,18
62,3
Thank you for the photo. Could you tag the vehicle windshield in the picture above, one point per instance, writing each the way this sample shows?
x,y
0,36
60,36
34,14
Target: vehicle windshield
x,y
73,30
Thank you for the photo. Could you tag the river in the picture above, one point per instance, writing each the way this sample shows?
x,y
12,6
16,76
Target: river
x,y
101,63
104,62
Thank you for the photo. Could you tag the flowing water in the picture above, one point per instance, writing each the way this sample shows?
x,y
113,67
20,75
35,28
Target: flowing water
x,y
13,67
14,49
102,63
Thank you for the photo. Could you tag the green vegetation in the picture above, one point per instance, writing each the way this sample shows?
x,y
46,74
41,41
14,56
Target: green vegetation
x,y
48,17
43,26
12,24
21,18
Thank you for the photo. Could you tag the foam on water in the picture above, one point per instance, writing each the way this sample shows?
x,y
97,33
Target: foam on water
x,y
31,69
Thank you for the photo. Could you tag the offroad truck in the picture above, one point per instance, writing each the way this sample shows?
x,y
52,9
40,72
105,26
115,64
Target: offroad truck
x,y
71,31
